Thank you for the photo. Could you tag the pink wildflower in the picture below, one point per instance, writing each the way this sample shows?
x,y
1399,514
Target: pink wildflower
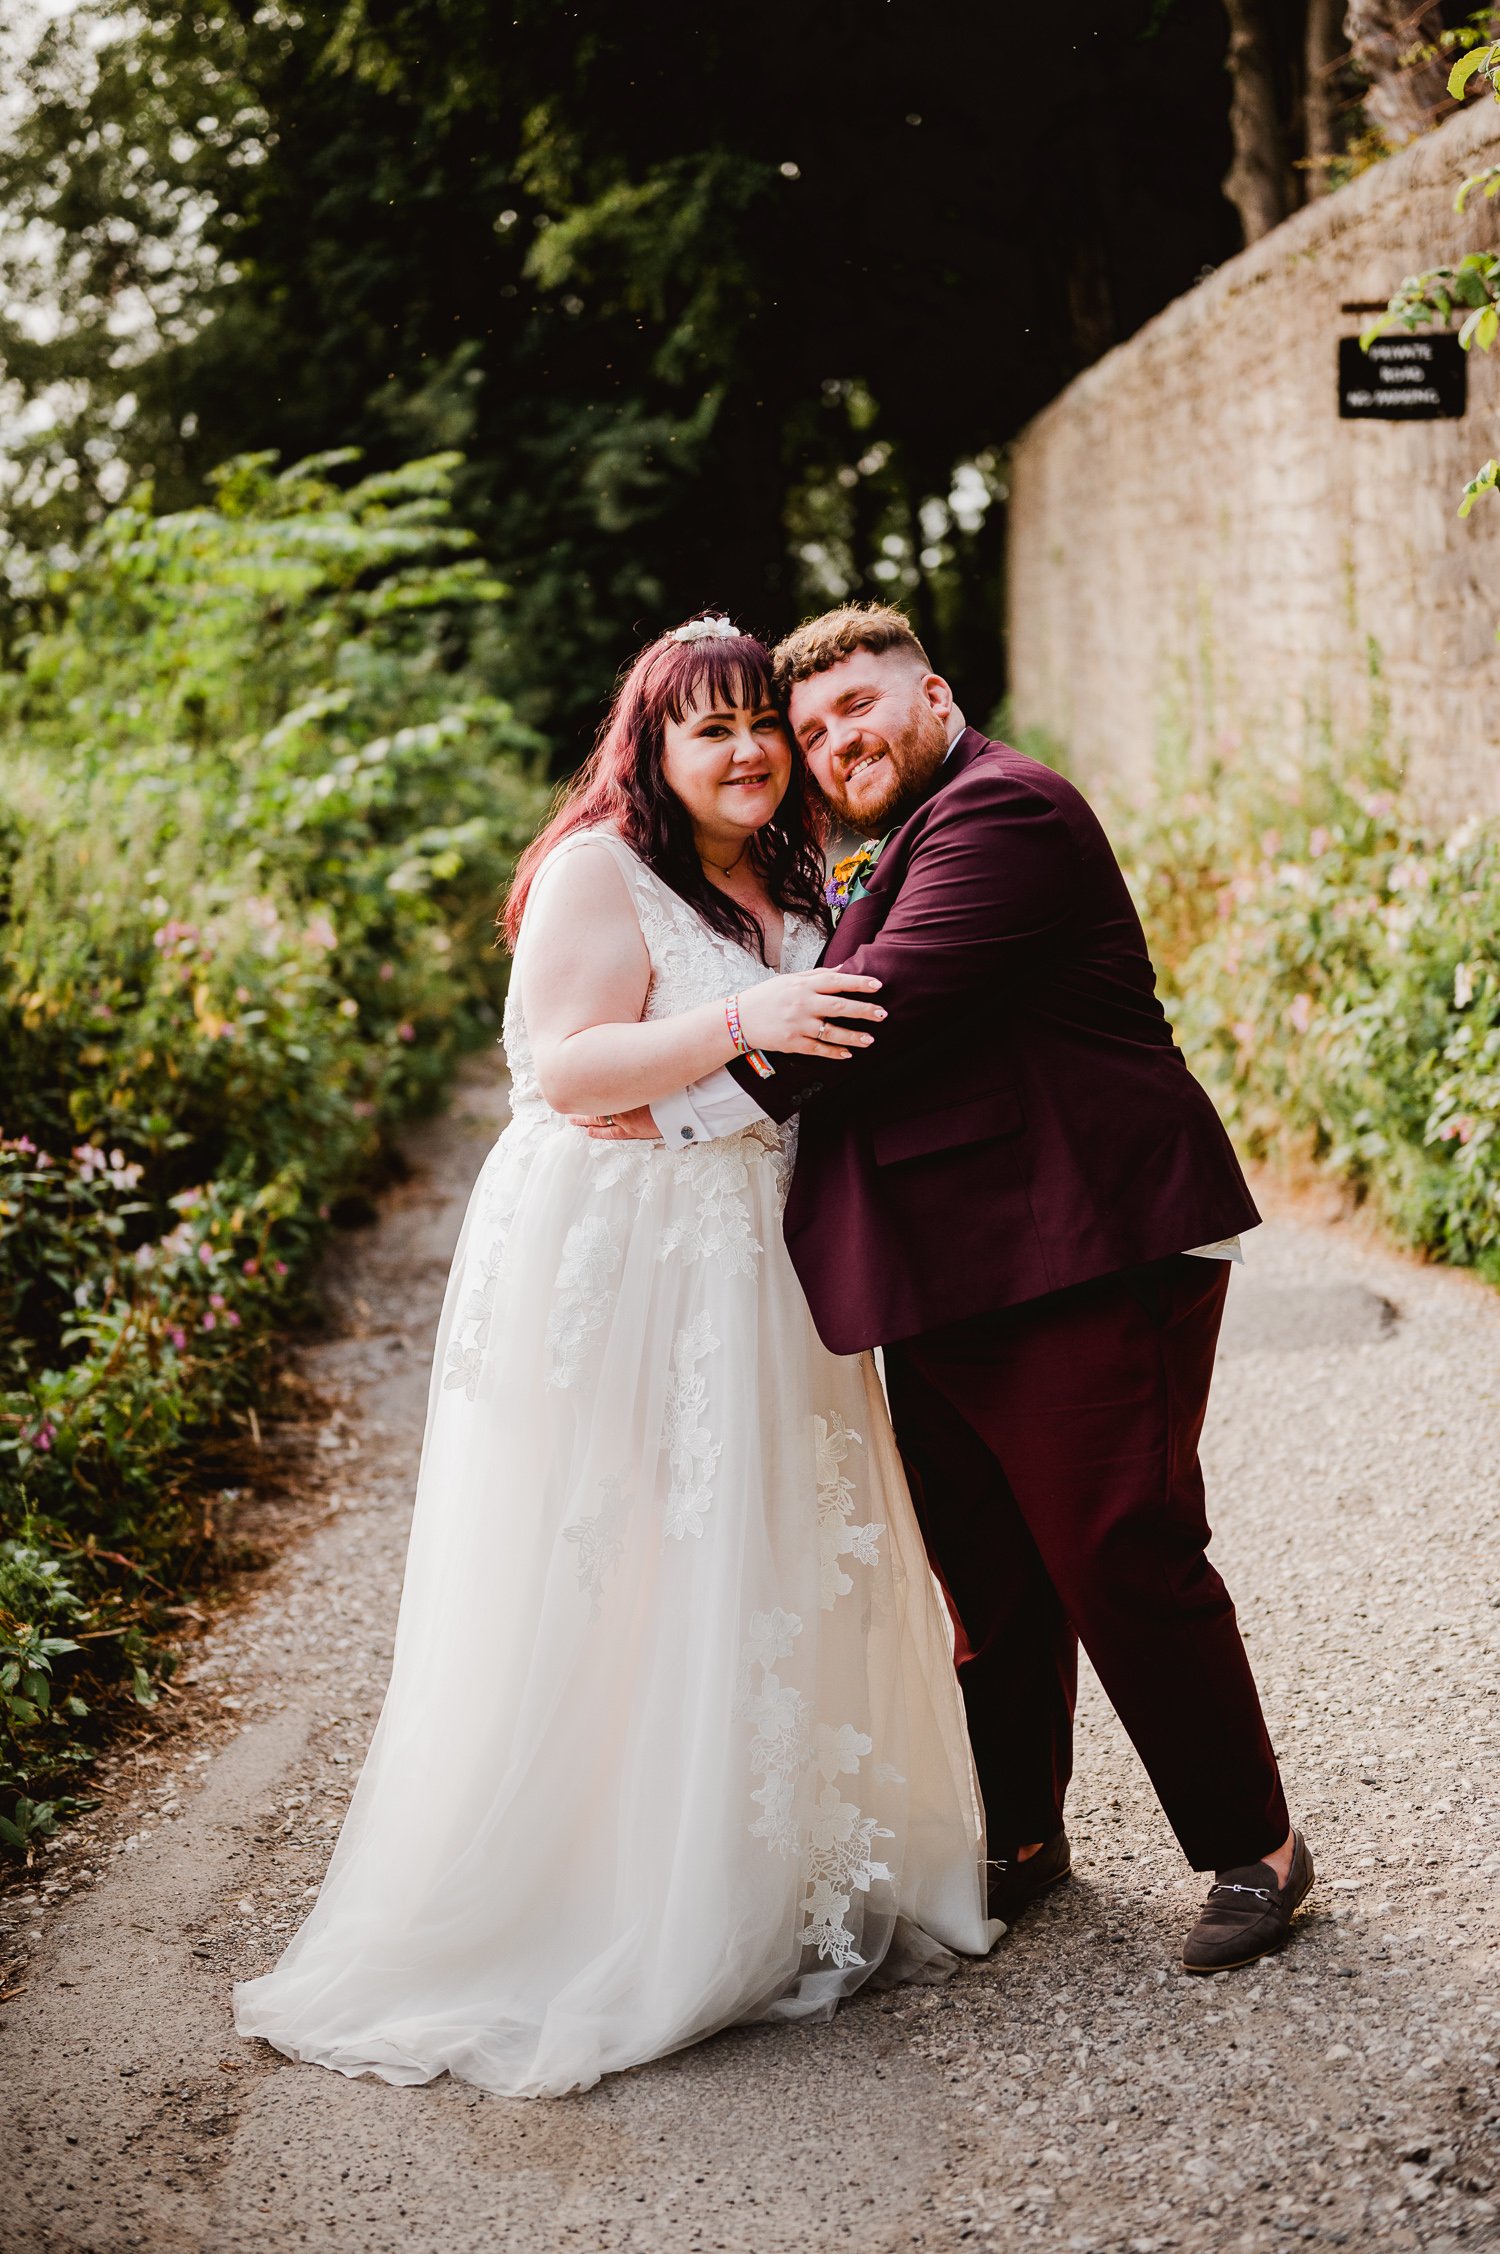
x,y
279,1266
206,1255
216,1299
209,1321
179,1339
406,1031
250,1267
232,1319
387,972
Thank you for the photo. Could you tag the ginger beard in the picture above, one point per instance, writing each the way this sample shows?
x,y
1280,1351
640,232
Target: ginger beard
x,y
882,777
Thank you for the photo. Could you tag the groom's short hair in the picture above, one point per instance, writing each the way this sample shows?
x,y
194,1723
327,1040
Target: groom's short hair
x,y
827,640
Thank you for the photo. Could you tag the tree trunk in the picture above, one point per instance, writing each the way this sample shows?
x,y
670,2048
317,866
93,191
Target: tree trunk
x,y
1405,99
1257,182
1323,51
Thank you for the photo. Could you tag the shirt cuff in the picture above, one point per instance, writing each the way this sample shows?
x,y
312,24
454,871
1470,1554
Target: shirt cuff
x,y
710,1108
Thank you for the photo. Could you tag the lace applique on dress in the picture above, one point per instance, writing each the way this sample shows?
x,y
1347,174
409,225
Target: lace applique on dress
x,y
467,1348
840,1837
692,1454
600,1539
720,1230
786,1753
780,1716
832,1439
590,1257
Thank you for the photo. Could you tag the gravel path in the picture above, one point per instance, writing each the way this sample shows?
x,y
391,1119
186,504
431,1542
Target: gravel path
x,y
1074,2093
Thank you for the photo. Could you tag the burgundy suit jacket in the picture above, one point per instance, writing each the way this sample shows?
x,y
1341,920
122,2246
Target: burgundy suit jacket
x,y
1024,1120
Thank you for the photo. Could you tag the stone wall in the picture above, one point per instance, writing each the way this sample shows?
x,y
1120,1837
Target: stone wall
x,y
1202,550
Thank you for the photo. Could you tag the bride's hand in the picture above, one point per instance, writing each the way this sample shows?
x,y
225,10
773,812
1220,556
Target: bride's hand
x,y
799,1011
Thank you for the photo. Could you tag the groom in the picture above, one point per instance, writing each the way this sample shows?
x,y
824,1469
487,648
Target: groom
x,y
1022,1194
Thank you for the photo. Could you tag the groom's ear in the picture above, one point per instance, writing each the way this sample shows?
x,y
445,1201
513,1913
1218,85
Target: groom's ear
x,y
938,694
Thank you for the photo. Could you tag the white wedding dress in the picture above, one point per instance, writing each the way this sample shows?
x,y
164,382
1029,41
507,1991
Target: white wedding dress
x,y
673,1737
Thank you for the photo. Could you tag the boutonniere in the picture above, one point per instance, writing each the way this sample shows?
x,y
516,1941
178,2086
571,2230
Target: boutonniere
x,y
851,875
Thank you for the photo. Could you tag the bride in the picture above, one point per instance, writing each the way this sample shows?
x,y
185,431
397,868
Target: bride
x,y
673,1738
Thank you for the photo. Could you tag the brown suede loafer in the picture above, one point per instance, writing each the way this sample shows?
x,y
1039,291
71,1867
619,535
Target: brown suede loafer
x,y
1247,1914
1014,1885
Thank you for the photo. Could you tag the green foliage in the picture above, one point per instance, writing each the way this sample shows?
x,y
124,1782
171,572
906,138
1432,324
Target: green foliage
x,y
256,823
1329,965
715,314
1472,287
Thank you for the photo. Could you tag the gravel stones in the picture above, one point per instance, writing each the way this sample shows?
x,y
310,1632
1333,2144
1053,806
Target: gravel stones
x,y
1074,2093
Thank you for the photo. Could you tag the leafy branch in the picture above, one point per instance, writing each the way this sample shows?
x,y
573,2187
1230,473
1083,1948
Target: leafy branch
x,y
1472,287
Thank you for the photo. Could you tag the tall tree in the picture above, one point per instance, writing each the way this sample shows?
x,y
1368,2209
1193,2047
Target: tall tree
x,y
1324,50
1259,182
1397,47
715,315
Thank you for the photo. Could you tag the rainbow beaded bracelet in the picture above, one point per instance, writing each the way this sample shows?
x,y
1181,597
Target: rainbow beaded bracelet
x,y
758,1063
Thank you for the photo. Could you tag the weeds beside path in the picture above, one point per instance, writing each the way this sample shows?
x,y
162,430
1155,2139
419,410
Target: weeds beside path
x,y
1074,2093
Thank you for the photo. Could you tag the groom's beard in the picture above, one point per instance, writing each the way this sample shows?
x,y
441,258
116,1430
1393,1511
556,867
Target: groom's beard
x,y
898,783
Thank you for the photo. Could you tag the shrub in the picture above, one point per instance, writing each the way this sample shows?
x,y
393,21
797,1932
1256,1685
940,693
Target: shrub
x,y
1330,964
258,810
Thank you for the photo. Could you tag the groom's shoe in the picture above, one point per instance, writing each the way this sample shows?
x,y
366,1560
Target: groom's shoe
x,y
1247,1914
1014,1885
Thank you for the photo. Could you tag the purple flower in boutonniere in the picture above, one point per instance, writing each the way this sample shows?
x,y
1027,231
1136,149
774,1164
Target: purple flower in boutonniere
x,y
849,875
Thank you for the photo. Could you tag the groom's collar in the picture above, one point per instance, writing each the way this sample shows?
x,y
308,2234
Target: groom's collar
x,y
966,745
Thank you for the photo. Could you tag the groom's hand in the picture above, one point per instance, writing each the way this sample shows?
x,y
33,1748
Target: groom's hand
x,y
636,1126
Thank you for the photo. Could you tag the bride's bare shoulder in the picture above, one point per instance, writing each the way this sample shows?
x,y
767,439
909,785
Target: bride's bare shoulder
x,y
582,886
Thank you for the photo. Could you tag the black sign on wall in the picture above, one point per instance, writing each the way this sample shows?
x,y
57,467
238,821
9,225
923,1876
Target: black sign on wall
x,y
1403,378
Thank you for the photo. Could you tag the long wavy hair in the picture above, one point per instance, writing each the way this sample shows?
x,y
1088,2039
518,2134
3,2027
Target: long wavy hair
x,y
622,785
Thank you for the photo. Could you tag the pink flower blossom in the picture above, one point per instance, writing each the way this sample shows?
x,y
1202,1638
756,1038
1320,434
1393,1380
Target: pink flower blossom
x,y
216,1299
250,1267
209,1321
206,1255
232,1319
406,1031
179,1339
279,1266
43,1437
387,972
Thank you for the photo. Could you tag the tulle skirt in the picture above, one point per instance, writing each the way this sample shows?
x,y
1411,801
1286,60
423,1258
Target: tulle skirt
x,y
672,1738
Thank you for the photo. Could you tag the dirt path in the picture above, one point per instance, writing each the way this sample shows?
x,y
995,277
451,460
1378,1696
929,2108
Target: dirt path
x,y
1074,2093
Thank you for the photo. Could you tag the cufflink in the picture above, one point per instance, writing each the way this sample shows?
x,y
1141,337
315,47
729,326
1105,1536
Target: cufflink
x,y
687,1134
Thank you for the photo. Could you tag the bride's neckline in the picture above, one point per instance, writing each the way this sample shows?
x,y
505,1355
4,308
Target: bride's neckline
x,y
607,829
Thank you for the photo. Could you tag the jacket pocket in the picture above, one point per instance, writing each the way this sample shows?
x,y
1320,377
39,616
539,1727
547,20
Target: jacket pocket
x,y
981,1119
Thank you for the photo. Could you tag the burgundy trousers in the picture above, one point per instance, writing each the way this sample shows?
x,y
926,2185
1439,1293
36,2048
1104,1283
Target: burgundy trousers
x,y
1053,1456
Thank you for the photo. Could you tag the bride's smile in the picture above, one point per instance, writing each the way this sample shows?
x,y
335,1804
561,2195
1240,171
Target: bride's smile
x,y
729,766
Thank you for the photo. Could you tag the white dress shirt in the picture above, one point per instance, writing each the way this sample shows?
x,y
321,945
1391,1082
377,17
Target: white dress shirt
x,y
717,1105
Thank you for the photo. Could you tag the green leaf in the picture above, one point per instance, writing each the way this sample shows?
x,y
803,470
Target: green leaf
x,y
1464,69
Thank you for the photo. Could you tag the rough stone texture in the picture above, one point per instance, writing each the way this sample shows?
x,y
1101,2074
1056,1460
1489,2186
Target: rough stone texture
x,y
1074,2093
1201,549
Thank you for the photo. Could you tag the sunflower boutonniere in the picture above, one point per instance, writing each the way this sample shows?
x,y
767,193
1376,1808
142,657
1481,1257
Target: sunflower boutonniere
x,y
850,875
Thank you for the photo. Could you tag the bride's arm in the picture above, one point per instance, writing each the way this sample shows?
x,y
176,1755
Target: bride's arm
x,y
584,976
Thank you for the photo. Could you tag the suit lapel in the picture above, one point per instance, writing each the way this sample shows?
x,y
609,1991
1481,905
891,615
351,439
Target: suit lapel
x,y
863,917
